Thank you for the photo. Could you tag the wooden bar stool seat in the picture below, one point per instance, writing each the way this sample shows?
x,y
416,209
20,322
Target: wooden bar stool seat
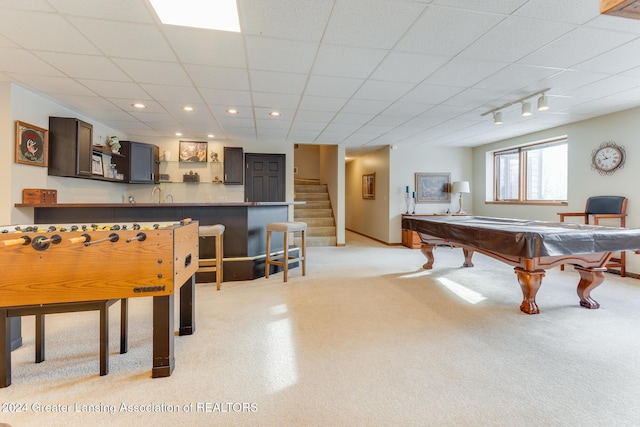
x,y
284,260
210,265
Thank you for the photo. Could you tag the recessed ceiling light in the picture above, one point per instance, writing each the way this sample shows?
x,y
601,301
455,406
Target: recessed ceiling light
x,y
213,15
178,133
210,135
274,114
232,111
138,105
187,108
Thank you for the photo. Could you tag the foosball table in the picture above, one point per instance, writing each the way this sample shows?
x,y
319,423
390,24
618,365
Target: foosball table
x,y
66,268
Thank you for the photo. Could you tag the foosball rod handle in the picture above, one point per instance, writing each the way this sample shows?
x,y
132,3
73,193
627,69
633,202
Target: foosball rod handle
x,y
84,238
23,240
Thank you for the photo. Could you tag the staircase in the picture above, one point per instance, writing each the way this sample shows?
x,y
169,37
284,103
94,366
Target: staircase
x,y
317,212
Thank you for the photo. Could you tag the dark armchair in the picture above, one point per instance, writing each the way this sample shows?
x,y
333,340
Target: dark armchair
x,y
604,207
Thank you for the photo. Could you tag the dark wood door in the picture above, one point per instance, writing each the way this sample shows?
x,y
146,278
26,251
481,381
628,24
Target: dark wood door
x,y
265,177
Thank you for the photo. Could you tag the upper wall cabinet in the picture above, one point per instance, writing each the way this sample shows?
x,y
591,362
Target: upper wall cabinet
x,y
233,165
140,163
70,147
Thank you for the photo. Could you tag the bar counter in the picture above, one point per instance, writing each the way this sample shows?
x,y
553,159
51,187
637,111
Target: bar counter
x,y
245,225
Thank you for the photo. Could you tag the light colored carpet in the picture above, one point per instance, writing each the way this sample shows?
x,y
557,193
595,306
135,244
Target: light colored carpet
x,y
367,338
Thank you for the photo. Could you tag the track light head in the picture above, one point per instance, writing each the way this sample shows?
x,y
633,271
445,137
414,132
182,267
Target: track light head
x,y
526,108
543,103
497,118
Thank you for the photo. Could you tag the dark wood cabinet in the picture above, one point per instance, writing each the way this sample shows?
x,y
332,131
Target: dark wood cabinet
x,y
70,147
233,165
140,163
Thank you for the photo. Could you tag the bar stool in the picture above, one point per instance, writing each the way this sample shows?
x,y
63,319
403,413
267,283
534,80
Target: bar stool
x,y
209,265
284,260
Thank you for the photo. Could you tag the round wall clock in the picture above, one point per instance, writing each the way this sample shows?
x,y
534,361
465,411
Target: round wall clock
x,y
608,158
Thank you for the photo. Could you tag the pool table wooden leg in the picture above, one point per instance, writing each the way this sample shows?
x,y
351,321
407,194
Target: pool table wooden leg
x,y
530,282
590,278
468,254
427,251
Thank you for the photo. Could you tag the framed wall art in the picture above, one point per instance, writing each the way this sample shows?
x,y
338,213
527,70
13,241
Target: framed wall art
x,y
193,151
32,144
433,187
369,186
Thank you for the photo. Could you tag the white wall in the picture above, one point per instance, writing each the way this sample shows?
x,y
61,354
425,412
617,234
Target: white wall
x,y
406,161
583,137
307,161
7,149
332,167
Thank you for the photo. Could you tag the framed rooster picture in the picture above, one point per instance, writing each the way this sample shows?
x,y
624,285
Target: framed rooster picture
x,y
32,144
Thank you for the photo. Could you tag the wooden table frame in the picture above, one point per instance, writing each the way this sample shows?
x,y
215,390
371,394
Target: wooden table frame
x,y
163,330
530,271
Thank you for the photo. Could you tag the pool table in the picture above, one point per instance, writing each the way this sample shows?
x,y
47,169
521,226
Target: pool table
x,y
531,246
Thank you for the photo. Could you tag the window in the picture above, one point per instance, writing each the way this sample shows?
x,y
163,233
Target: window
x,y
532,173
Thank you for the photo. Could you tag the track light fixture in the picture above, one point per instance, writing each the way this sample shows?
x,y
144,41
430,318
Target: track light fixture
x,y
543,105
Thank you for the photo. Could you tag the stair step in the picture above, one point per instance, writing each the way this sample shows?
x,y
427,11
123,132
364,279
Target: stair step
x,y
316,222
315,204
321,231
317,241
313,213
307,197
309,188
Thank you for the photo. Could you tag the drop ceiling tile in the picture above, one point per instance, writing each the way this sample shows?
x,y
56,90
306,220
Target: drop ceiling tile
x,y
18,60
299,125
575,47
126,104
430,94
218,77
352,118
114,39
344,61
407,110
515,77
84,66
446,31
366,106
286,116
322,103
496,6
38,33
605,87
514,38
383,91
567,80
287,19
179,94
618,60
314,116
275,101
129,11
615,23
155,72
408,67
125,90
370,23
464,72
332,86
280,55
52,85
206,47
571,11
227,98
273,82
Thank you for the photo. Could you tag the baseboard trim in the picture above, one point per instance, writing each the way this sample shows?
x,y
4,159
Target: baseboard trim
x,y
373,238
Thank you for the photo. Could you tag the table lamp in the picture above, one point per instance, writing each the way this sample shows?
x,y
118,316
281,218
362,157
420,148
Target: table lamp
x,y
460,187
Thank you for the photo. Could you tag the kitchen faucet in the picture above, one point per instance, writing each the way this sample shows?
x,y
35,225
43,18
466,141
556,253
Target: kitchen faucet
x,y
153,191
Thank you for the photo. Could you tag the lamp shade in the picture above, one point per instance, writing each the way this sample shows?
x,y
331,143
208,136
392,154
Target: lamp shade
x,y
460,187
